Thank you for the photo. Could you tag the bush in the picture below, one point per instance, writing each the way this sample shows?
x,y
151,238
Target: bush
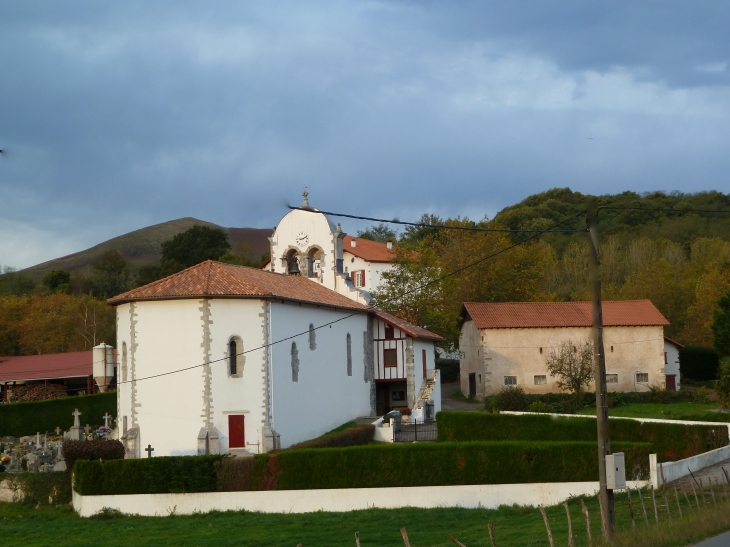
x,y
19,419
670,441
49,488
698,363
352,436
360,467
91,450
511,398
450,369
539,406
161,475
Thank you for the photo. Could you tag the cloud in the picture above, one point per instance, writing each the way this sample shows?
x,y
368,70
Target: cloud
x,y
120,116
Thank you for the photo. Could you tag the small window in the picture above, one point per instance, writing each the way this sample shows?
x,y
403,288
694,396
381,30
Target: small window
x,y
390,357
480,378
389,332
642,377
349,354
611,349
612,378
232,358
510,380
312,337
665,358
540,379
294,362
541,351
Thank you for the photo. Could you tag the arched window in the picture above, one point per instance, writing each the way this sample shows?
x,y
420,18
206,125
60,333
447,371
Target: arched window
x,y
294,362
312,337
124,361
236,359
349,354
292,263
232,358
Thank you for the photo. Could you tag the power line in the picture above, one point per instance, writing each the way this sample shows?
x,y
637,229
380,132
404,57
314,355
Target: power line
x,y
418,288
434,226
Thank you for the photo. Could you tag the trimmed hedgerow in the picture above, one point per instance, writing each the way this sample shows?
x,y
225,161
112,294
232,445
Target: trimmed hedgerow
x,y
369,466
162,475
49,488
352,436
669,441
99,449
19,419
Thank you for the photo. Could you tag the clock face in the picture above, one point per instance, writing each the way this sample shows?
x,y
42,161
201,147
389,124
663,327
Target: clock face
x,y
302,238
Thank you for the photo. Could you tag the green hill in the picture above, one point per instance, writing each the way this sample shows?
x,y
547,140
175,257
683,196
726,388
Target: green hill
x,y
142,247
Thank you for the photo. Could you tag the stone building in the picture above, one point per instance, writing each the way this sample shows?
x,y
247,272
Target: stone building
x,y
508,344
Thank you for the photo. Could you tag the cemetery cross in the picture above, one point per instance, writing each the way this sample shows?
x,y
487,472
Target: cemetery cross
x,y
76,415
106,417
58,431
149,450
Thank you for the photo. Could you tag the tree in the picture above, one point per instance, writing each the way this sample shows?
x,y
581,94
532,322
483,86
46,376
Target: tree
x,y
191,247
58,281
722,384
721,325
110,275
380,232
572,364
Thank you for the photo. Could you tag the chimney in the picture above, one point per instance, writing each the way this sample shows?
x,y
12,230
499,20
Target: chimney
x,y
389,244
353,243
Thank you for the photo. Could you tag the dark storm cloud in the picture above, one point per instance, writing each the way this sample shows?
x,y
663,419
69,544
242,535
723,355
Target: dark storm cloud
x,y
119,116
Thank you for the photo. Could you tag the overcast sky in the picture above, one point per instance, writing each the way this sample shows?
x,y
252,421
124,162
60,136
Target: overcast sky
x,y
115,116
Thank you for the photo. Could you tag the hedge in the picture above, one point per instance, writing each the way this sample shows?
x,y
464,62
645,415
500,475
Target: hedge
x,y
163,475
20,419
566,401
698,363
369,466
669,441
49,488
99,449
352,436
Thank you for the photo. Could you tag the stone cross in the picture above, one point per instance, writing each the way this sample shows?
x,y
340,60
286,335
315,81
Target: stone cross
x,y
58,431
149,450
76,415
106,417
38,438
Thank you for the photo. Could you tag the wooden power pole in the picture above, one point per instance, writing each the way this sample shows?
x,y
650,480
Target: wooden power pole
x,y
605,496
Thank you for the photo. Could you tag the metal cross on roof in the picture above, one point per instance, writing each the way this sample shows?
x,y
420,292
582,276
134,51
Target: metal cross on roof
x,y
149,450
305,195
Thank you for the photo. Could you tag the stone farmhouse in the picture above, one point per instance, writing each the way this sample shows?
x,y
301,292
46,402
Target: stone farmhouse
x,y
508,344
228,359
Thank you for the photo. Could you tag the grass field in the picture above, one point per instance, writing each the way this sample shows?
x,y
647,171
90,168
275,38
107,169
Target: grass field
x,y
651,410
514,526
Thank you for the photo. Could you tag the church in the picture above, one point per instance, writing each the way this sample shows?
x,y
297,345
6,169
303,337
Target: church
x,y
221,358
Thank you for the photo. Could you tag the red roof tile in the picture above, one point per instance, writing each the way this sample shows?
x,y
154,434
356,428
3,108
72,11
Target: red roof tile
x,y
522,315
214,279
405,326
45,367
372,251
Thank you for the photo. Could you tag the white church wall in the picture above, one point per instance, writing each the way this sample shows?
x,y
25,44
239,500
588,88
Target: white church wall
x,y
324,396
168,336
242,394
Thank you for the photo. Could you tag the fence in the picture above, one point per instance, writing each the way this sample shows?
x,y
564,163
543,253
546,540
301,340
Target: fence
x,y
418,430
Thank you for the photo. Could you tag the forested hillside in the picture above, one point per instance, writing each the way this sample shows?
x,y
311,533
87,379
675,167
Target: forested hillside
x,y
679,259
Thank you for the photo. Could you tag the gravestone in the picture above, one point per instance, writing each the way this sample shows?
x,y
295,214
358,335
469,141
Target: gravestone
x,y
75,433
106,419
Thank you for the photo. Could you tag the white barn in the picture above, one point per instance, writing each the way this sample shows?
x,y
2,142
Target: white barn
x,y
222,358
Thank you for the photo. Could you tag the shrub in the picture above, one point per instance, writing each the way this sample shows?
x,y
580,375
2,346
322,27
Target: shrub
x,y
511,398
358,467
160,475
91,450
539,406
450,369
698,363
670,441
50,488
352,436
18,419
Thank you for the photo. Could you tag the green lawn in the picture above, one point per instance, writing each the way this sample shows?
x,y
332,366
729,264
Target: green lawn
x,y
666,411
514,526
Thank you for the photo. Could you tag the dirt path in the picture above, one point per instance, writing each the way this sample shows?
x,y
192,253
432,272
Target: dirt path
x,y
448,402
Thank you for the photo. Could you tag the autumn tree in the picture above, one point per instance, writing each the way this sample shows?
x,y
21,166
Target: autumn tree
x,y
572,364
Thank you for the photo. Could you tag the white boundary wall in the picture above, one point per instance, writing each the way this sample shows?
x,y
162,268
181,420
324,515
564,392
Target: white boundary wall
x,y
488,496
681,468
684,422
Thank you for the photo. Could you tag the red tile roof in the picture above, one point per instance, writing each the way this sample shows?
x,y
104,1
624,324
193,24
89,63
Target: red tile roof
x,y
46,367
372,251
211,279
405,326
523,315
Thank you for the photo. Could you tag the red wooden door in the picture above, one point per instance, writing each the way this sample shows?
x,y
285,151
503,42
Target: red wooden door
x,y
236,438
671,383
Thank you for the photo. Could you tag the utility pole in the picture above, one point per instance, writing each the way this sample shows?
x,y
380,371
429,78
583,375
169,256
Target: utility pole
x,y
605,496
